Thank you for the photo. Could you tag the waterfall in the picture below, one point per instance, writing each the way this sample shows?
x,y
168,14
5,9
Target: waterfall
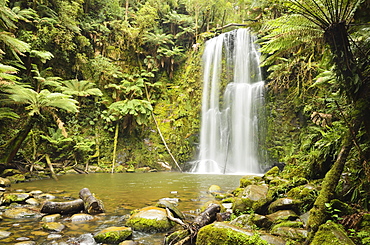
x,y
232,101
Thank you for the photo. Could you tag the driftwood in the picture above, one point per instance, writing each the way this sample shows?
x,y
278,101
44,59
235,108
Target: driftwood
x,y
92,205
74,206
207,217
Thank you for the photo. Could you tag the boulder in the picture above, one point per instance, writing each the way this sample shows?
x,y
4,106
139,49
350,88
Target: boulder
x,y
113,235
282,215
253,197
285,204
249,220
331,233
150,219
225,234
297,234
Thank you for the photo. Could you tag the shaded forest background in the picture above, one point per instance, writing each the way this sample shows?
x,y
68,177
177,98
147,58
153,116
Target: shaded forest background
x,y
97,82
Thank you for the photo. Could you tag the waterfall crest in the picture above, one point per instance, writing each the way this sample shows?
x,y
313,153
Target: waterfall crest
x,y
233,92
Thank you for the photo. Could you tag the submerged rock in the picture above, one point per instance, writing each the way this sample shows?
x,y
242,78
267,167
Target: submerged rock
x,y
81,217
51,218
113,235
19,213
4,234
4,182
53,226
150,219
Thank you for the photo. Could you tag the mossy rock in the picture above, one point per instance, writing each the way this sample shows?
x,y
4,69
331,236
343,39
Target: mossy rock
x,y
249,180
113,235
331,233
281,216
225,234
150,219
272,172
213,189
15,197
17,178
297,234
285,203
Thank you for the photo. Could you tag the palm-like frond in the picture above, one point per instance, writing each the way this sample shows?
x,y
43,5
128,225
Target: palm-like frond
x,y
325,13
38,101
81,88
7,73
7,113
288,34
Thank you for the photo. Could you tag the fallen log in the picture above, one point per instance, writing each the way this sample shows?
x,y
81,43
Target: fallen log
x,y
207,217
68,207
92,205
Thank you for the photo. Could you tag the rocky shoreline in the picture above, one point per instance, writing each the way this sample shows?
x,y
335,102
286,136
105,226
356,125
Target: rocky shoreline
x,y
262,210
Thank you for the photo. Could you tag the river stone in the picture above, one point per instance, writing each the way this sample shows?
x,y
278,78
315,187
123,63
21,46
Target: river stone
x,y
113,235
220,233
54,236
4,182
36,192
282,215
53,226
4,234
150,219
32,201
129,242
51,218
248,220
19,213
297,234
15,197
285,204
84,239
213,189
25,243
81,217
273,240
331,233
255,192
46,196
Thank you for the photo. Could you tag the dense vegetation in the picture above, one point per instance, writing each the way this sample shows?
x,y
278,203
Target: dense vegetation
x,y
117,84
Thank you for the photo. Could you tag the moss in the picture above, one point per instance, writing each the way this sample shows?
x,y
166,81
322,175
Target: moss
x,y
238,191
113,235
221,234
153,220
331,233
293,224
273,172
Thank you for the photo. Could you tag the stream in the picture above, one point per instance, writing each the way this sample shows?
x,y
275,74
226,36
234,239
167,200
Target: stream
x,y
120,193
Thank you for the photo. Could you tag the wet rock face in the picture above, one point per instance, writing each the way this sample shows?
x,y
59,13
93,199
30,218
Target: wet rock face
x,y
150,219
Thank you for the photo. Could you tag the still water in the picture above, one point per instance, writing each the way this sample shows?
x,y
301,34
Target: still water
x,y
120,194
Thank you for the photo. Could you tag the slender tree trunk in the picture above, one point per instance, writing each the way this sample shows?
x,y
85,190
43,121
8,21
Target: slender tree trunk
x,y
50,165
115,146
12,147
318,214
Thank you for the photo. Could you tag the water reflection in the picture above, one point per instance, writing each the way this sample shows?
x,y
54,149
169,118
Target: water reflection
x,y
120,193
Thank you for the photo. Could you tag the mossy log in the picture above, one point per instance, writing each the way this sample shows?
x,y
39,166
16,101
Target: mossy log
x,y
92,205
68,207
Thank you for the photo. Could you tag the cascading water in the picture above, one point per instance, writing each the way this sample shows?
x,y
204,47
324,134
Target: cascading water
x,y
231,105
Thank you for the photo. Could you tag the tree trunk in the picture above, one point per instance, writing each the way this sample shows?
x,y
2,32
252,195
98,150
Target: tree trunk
x,y
115,146
318,214
91,204
12,147
52,173
208,216
74,206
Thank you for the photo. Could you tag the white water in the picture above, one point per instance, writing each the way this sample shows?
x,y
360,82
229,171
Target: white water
x,y
232,96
